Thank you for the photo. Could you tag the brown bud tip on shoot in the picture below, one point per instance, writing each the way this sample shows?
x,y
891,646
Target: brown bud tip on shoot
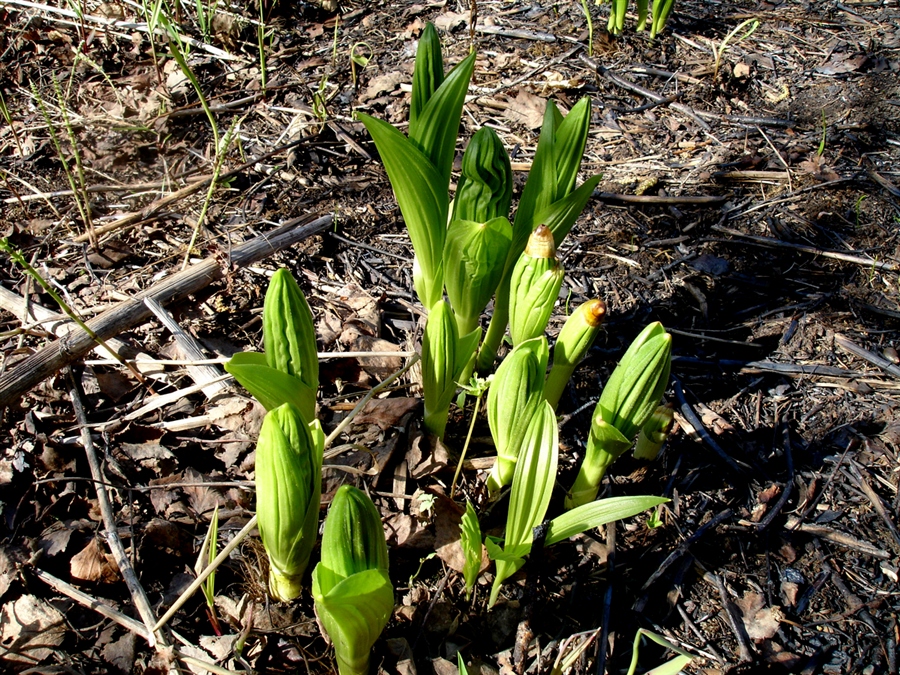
x,y
541,244
594,312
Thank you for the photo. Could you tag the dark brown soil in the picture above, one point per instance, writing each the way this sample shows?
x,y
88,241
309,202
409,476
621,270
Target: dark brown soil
x,y
779,549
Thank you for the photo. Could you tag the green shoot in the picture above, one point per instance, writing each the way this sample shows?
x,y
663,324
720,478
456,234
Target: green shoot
x,y
821,150
180,51
261,45
718,52
207,555
670,667
470,541
205,558
220,155
590,23
4,112
358,59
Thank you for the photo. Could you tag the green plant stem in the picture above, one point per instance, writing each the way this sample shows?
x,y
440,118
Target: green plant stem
x,y
51,128
217,168
462,456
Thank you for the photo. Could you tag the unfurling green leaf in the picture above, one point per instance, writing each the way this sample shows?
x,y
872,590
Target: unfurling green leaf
x,y
288,491
597,513
440,366
573,342
653,433
514,397
470,541
269,386
532,488
422,196
436,126
351,587
474,255
485,183
534,287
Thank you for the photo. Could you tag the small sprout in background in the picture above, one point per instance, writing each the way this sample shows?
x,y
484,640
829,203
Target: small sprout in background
x,y
288,495
351,587
629,398
470,541
654,433
204,559
575,339
671,667
534,287
514,397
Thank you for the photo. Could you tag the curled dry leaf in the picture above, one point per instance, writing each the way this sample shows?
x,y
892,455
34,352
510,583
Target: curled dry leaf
x,y
91,564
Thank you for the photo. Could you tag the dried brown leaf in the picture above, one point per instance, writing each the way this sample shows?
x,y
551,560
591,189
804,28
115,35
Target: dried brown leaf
x,y
30,630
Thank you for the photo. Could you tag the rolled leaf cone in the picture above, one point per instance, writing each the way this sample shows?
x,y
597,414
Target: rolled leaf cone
x,y
289,335
574,341
428,73
440,367
534,287
532,487
659,16
617,16
485,183
474,255
515,395
654,433
629,398
288,495
643,10
352,590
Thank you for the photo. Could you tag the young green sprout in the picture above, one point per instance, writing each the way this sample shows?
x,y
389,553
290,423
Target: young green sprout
x,y
288,494
351,587
627,401
470,541
534,287
654,433
574,341
288,371
514,397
